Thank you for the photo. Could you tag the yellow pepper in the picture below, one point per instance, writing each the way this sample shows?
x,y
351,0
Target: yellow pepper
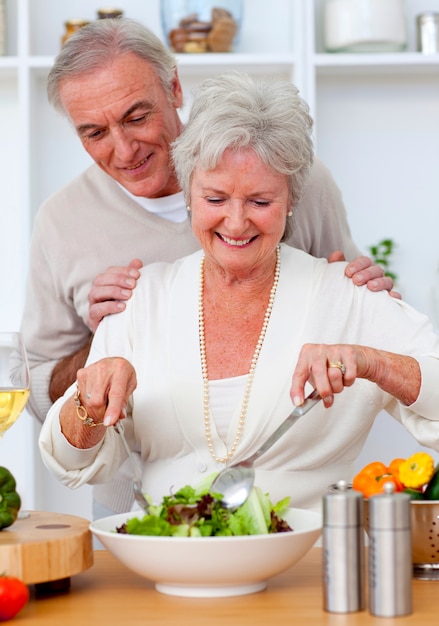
x,y
417,470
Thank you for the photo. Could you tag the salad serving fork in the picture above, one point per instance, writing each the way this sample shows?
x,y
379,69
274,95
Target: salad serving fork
x,y
137,480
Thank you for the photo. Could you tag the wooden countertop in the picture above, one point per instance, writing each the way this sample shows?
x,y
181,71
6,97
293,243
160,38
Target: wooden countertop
x,y
108,594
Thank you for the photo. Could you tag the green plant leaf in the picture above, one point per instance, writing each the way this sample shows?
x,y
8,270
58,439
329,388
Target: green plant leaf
x,y
381,253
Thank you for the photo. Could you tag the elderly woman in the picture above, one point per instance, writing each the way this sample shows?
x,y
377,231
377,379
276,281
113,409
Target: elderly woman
x,y
213,350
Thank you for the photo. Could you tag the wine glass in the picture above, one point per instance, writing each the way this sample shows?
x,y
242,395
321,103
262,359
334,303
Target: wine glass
x,y
14,379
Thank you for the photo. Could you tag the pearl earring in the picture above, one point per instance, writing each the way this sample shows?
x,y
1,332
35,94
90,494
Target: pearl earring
x,y
289,214
188,209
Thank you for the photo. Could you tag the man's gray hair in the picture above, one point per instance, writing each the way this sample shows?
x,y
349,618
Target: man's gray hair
x,y
96,45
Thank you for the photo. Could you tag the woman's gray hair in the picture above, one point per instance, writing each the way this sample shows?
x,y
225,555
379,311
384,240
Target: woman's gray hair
x,y
234,111
96,45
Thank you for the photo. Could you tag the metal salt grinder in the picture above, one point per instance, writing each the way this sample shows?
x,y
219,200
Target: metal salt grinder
x,y
390,554
343,550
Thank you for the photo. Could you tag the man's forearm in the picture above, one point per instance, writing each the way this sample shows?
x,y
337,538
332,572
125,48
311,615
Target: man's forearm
x,y
64,372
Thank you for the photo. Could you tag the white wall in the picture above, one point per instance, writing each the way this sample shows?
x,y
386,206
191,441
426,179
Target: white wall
x,y
380,138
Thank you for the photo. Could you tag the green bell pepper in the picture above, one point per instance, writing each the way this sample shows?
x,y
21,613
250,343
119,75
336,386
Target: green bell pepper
x,y
414,494
432,490
10,501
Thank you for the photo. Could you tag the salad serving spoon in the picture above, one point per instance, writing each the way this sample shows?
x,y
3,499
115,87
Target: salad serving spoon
x,y
235,483
137,482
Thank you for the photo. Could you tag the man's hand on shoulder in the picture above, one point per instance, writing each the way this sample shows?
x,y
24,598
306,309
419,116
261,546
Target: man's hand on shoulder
x,y
363,271
110,290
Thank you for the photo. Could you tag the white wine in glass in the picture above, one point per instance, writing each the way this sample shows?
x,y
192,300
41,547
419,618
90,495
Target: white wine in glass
x,y
14,379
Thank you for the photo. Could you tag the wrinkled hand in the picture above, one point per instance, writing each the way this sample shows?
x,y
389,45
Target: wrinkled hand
x,y
105,388
314,366
363,271
110,290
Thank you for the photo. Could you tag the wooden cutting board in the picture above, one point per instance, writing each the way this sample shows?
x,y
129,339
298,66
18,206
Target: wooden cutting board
x,y
46,547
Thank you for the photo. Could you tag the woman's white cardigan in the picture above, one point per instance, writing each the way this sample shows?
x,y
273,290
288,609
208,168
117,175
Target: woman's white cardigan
x,y
158,334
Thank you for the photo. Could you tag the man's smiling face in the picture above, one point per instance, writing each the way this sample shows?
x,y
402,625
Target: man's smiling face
x,y
127,122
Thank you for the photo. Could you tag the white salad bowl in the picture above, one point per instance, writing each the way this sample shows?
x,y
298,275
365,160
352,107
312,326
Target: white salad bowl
x,y
210,566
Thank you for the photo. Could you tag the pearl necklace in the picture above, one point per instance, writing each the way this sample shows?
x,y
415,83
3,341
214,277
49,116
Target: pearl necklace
x,y
251,373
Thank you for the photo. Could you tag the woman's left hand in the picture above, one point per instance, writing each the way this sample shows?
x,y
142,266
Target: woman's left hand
x,y
329,368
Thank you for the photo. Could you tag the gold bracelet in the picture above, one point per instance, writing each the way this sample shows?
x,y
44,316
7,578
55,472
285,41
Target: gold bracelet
x,y
81,412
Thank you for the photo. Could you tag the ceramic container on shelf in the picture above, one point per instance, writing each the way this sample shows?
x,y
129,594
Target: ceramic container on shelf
x,y
201,25
365,25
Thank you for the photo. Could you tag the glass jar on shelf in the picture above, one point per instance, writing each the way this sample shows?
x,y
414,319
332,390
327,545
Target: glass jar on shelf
x,y
71,26
427,32
201,25
109,12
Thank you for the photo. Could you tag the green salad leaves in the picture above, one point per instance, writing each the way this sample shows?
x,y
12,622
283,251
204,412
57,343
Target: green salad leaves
x,y
195,512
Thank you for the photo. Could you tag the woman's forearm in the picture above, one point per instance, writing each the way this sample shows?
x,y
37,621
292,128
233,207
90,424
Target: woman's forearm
x,y
398,375
75,431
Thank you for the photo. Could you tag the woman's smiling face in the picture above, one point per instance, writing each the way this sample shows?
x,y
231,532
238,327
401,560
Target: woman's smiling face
x,y
239,211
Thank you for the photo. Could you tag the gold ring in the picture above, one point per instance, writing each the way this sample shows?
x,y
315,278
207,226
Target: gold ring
x,y
339,365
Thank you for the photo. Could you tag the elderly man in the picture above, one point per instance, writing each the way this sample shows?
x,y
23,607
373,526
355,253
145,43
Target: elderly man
x,y
118,85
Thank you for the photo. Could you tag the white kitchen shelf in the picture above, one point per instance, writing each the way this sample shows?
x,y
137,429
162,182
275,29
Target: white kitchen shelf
x,y
273,64
201,65
389,63
8,62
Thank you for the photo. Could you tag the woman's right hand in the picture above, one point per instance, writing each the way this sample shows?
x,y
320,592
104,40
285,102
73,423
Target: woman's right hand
x,y
104,391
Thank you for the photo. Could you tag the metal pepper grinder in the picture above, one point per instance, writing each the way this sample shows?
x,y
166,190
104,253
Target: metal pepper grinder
x,y
390,554
343,550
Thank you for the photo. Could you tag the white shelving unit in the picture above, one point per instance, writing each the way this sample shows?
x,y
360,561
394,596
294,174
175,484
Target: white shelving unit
x,y
378,130
376,127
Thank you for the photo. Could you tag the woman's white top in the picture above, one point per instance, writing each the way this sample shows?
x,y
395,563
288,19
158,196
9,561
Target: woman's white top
x,y
158,334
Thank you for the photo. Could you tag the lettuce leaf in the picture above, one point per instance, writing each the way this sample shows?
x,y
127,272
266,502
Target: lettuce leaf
x,y
195,512
254,514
